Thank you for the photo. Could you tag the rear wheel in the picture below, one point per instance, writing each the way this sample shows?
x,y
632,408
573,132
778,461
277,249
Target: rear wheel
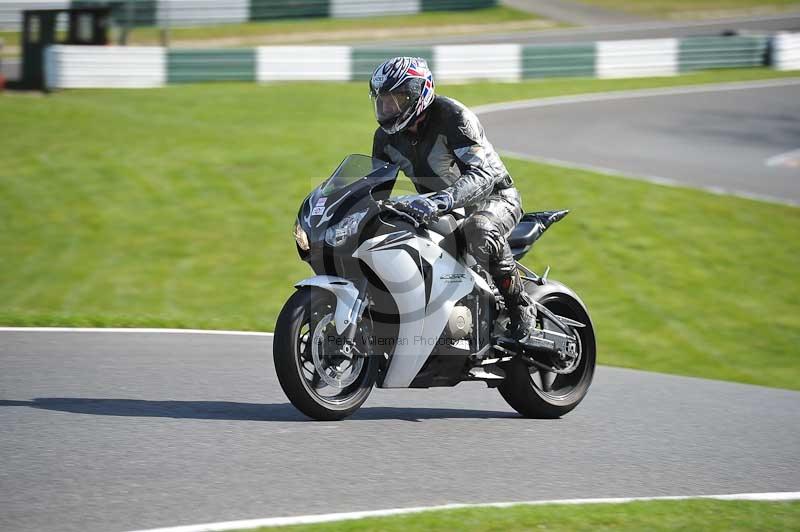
x,y
321,376
536,393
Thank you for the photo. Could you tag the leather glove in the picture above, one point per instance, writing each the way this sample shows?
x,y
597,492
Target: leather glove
x,y
443,201
426,209
422,209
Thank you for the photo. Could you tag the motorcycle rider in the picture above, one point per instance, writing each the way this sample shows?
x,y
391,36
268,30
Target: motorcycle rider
x,y
441,146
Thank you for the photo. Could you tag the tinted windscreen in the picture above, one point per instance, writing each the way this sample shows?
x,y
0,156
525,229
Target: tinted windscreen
x,y
352,169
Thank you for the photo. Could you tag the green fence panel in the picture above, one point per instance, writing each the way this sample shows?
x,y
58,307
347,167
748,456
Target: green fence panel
x,y
185,66
552,61
700,53
455,5
364,60
276,9
133,13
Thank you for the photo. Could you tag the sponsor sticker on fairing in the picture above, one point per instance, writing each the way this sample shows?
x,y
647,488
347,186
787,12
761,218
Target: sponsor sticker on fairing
x,y
319,208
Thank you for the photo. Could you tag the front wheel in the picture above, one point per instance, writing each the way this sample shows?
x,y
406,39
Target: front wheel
x,y
542,394
321,378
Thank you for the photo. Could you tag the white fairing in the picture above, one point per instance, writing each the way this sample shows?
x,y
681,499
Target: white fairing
x,y
395,258
346,296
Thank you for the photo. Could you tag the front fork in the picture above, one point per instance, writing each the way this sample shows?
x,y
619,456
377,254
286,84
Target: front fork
x,y
351,323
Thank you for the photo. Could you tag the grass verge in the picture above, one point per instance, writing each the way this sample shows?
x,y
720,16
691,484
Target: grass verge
x,y
695,8
320,30
174,208
708,515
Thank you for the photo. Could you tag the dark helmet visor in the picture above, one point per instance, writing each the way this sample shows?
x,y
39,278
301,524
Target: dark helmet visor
x,y
391,105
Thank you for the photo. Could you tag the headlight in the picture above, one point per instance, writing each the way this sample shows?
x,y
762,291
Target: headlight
x,y
300,237
337,235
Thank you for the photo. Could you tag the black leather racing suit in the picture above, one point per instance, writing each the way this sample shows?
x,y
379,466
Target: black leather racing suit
x,y
450,152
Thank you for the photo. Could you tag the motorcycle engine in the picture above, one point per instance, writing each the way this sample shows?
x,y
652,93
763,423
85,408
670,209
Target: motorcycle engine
x,y
459,326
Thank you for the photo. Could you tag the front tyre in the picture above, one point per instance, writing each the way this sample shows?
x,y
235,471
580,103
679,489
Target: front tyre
x,y
541,394
316,374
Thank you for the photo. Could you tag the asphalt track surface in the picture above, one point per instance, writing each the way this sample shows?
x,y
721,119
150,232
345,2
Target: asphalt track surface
x,y
106,431
709,137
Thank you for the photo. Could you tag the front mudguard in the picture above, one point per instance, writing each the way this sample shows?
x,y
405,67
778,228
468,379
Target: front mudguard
x,y
346,298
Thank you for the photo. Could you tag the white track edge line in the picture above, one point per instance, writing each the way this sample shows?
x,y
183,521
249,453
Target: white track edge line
x,y
133,330
652,179
782,158
347,516
635,93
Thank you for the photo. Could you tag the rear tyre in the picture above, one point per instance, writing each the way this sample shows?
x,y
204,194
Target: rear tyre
x,y
546,395
318,379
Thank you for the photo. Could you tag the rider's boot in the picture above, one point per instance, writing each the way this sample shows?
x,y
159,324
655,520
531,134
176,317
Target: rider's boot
x,y
519,304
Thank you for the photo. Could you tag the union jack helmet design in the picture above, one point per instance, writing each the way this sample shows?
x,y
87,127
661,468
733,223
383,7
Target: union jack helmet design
x,y
401,89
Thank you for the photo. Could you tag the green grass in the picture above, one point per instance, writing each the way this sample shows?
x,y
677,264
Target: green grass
x,y
330,29
706,515
682,8
174,207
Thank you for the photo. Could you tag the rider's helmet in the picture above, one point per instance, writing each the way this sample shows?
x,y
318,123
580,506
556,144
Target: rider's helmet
x,y
401,89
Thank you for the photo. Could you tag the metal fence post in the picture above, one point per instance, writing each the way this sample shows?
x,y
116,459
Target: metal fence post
x,y
165,26
126,28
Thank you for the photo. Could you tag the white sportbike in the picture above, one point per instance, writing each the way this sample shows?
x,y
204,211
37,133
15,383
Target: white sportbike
x,y
397,305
